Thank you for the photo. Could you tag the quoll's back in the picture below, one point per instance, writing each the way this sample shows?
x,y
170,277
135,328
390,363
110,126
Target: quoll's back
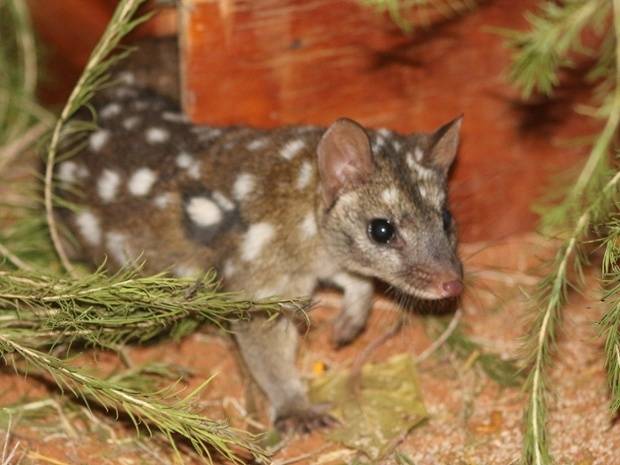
x,y
180,197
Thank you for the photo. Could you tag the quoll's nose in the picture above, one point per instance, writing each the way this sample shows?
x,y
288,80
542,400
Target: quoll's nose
x,y
452,288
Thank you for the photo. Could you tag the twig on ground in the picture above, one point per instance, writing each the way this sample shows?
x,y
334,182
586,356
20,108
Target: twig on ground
x,y
7,456
14,259
441,339
300,457
10,151
364,355
44,458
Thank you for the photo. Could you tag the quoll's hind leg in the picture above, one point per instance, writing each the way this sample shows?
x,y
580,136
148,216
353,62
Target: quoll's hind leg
x,y
356,306
268,349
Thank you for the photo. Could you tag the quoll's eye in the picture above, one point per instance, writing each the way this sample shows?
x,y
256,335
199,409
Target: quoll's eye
x,y
381,230
446,217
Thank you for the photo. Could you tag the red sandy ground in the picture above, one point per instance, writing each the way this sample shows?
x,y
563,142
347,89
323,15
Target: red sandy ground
x,y
472,421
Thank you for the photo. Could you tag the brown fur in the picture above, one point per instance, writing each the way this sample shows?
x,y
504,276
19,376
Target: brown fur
x,y
363,175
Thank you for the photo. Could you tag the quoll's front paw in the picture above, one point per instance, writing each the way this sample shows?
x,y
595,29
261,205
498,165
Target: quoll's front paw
x,y
345,329
305,420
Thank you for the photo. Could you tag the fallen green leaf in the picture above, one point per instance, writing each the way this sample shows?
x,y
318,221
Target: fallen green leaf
x,y
384,406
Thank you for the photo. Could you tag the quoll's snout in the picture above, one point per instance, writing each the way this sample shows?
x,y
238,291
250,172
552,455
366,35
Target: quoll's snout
x,y
445,283
452,288
435,282
448,283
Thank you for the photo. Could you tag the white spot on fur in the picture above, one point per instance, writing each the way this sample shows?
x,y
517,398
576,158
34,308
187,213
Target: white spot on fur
x,y
127,77
203,211
410,161
390,196
163,200
98,139
256,237
305,175
194,170
110,110
292,148
88,224
243,186
413,160
422,191
173,117
206,133
308,226
306,129
125,92
397,145
384,132
223,201
186,271
107,185
141,182
378,143
229,269
184,160
257,144
67,172
156,135
265,293
424,173
116,244
131,122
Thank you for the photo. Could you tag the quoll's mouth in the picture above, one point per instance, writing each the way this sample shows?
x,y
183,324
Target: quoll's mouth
x,y
435,285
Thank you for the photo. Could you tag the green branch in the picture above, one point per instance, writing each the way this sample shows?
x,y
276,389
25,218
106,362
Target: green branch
x,y
174,419
554,31
600,150
93,78
553,292
38,312
610,322
104,311
541,53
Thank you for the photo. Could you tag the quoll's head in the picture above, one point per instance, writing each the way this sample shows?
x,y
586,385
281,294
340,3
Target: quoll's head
x,y
385,202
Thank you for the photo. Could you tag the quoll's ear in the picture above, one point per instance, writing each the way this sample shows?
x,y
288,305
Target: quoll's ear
x,y
344,158
443,144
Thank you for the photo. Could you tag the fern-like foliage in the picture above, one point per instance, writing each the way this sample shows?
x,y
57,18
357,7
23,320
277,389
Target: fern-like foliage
x,y
610,323
555,31
589,209
94,77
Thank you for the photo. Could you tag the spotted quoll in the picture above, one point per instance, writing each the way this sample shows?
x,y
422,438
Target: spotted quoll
x,y
274,211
